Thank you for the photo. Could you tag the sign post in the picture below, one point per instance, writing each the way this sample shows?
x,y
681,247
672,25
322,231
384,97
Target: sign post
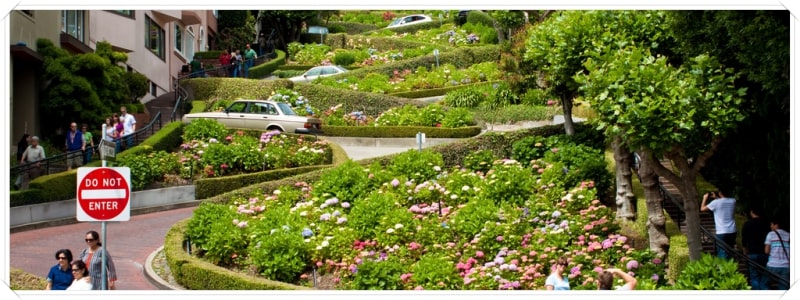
x,y
103,195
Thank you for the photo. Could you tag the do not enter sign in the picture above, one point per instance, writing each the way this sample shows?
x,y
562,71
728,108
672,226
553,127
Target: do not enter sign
x,y
103,194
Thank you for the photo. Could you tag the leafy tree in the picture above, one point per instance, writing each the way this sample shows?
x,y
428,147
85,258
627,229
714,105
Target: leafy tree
x,y
288,24
83,88
236,29
682,114
505,21
754,160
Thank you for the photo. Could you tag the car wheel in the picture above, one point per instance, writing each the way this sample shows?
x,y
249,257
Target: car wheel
x,y
271,128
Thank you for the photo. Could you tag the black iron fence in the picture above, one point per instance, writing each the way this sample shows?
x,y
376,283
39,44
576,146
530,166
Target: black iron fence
x,y
708,237
58,163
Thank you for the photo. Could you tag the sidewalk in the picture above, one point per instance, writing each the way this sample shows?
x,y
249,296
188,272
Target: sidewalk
x,y
129,243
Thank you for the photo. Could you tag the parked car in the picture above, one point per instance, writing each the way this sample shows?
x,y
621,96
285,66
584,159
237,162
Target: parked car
x,y
409,20
261,115
319,71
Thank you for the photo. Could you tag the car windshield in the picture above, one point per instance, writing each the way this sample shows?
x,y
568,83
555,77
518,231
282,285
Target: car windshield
x,y
396,21
286,109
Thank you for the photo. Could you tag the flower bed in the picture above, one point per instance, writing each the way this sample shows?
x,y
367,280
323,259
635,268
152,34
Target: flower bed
x,y
412,225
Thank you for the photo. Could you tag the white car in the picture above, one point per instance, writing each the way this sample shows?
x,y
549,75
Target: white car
x,y
261,115
319,71
409,20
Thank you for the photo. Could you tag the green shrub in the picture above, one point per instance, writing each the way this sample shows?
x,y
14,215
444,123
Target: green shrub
x,y
336,28
378,275
458,117
711,273
209,187
515,113
287,73
206,219
204,129
479,17
469,97
480,161
279,252
678,256
344,58
364,216
417,165
433,268
369,103
265,69
401,131
351,27
537,97
217,88
211,54
348,182
486,33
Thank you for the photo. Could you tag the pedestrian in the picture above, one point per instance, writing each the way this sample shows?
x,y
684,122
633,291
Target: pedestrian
x,y
724,222
196,68
557,281
605,280
82,281
111,131
60,275
777,246
89,142
249,59
118,129
75,145
236,63
92,256
262,44
22,145
33,154
225,61
128,125
754,232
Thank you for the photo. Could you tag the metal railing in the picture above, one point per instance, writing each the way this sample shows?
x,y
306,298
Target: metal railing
x,y
58,163
707,236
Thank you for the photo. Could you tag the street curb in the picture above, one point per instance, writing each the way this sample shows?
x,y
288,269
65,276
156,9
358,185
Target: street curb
x,y
68,221
153,277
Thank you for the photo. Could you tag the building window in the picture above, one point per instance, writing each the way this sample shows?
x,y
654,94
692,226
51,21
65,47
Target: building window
x,y
128,13
154,39
72,23
178,38
153,89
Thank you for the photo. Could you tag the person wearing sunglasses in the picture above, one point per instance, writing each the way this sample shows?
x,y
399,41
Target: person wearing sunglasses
x,y
82,280
557,281
93,257
60,275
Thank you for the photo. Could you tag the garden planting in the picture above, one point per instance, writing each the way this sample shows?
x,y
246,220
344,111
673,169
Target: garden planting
x,y
412,224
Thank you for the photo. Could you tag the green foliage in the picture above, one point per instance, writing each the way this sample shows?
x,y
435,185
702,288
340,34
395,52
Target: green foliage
x,y
480,161
479,17
515,113
209,187
508,182
265,69
711,273
677,257
509,19
310,54
226,88
368,103
531,148
433,268
344,58
280,255
364,217
204,129
351,27
236,29
403,131
469,97
457,117
538,97
150,167
486,33
204,228
378,275
138,85
417,165
582,163
348,182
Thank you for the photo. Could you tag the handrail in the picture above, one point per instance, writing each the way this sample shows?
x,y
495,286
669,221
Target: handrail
x,y
709,236
61,159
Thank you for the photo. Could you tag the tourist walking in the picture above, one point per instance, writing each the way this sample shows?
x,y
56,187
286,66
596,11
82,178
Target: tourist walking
x,y
724,222
128,126
777,246
236,62
75,145
225,62
33,154
249,59
754,232
89,142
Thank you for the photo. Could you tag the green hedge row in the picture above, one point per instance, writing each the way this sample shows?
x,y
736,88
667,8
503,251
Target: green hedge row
x,y
323,97
460,58
353,27
439,91
265,69
62,186
225,88
411,28
209,187
211,54
340,41
196,274
400,131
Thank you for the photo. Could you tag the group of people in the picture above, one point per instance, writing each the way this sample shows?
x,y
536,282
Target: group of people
x,y
605,279
764,241
85,272
238,64
79,144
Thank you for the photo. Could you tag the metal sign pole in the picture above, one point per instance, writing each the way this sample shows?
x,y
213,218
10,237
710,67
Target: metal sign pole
x,y
103,256
102,138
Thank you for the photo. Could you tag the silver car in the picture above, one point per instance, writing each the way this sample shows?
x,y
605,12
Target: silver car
x,y
319,71
261,115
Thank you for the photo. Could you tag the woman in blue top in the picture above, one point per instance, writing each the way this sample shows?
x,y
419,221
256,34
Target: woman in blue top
x,y
556,280
60,276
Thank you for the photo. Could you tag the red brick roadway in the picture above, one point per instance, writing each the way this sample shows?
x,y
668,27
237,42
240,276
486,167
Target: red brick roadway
x,y
129,244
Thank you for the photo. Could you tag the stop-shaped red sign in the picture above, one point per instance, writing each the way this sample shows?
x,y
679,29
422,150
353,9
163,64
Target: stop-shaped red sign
x,y
103,194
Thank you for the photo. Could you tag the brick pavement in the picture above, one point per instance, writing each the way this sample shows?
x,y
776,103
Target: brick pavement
x,y
129,244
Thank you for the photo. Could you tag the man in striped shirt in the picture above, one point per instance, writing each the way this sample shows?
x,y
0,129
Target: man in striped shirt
x,y
724,221
776,245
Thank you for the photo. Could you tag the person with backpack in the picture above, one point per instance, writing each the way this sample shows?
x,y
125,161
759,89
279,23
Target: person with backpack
x,y
777,247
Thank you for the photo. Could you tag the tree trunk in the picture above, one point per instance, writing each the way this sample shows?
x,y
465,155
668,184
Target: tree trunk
x,y
501,36
566,103
625,199
656,221
686,184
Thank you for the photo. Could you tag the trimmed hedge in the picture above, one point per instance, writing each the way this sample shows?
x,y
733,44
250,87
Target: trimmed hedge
x,y
323,97
400,131
225,88
461,58
265,69
353,27
212,54
381,43
196,274
411,28
439,91
678,256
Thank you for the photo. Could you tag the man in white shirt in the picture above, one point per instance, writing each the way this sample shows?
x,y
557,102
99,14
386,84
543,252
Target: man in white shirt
x,y
724,221
128,126
34,153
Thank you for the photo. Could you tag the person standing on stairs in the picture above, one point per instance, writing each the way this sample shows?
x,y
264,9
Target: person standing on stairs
x,y
724,221
754,232
777,246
